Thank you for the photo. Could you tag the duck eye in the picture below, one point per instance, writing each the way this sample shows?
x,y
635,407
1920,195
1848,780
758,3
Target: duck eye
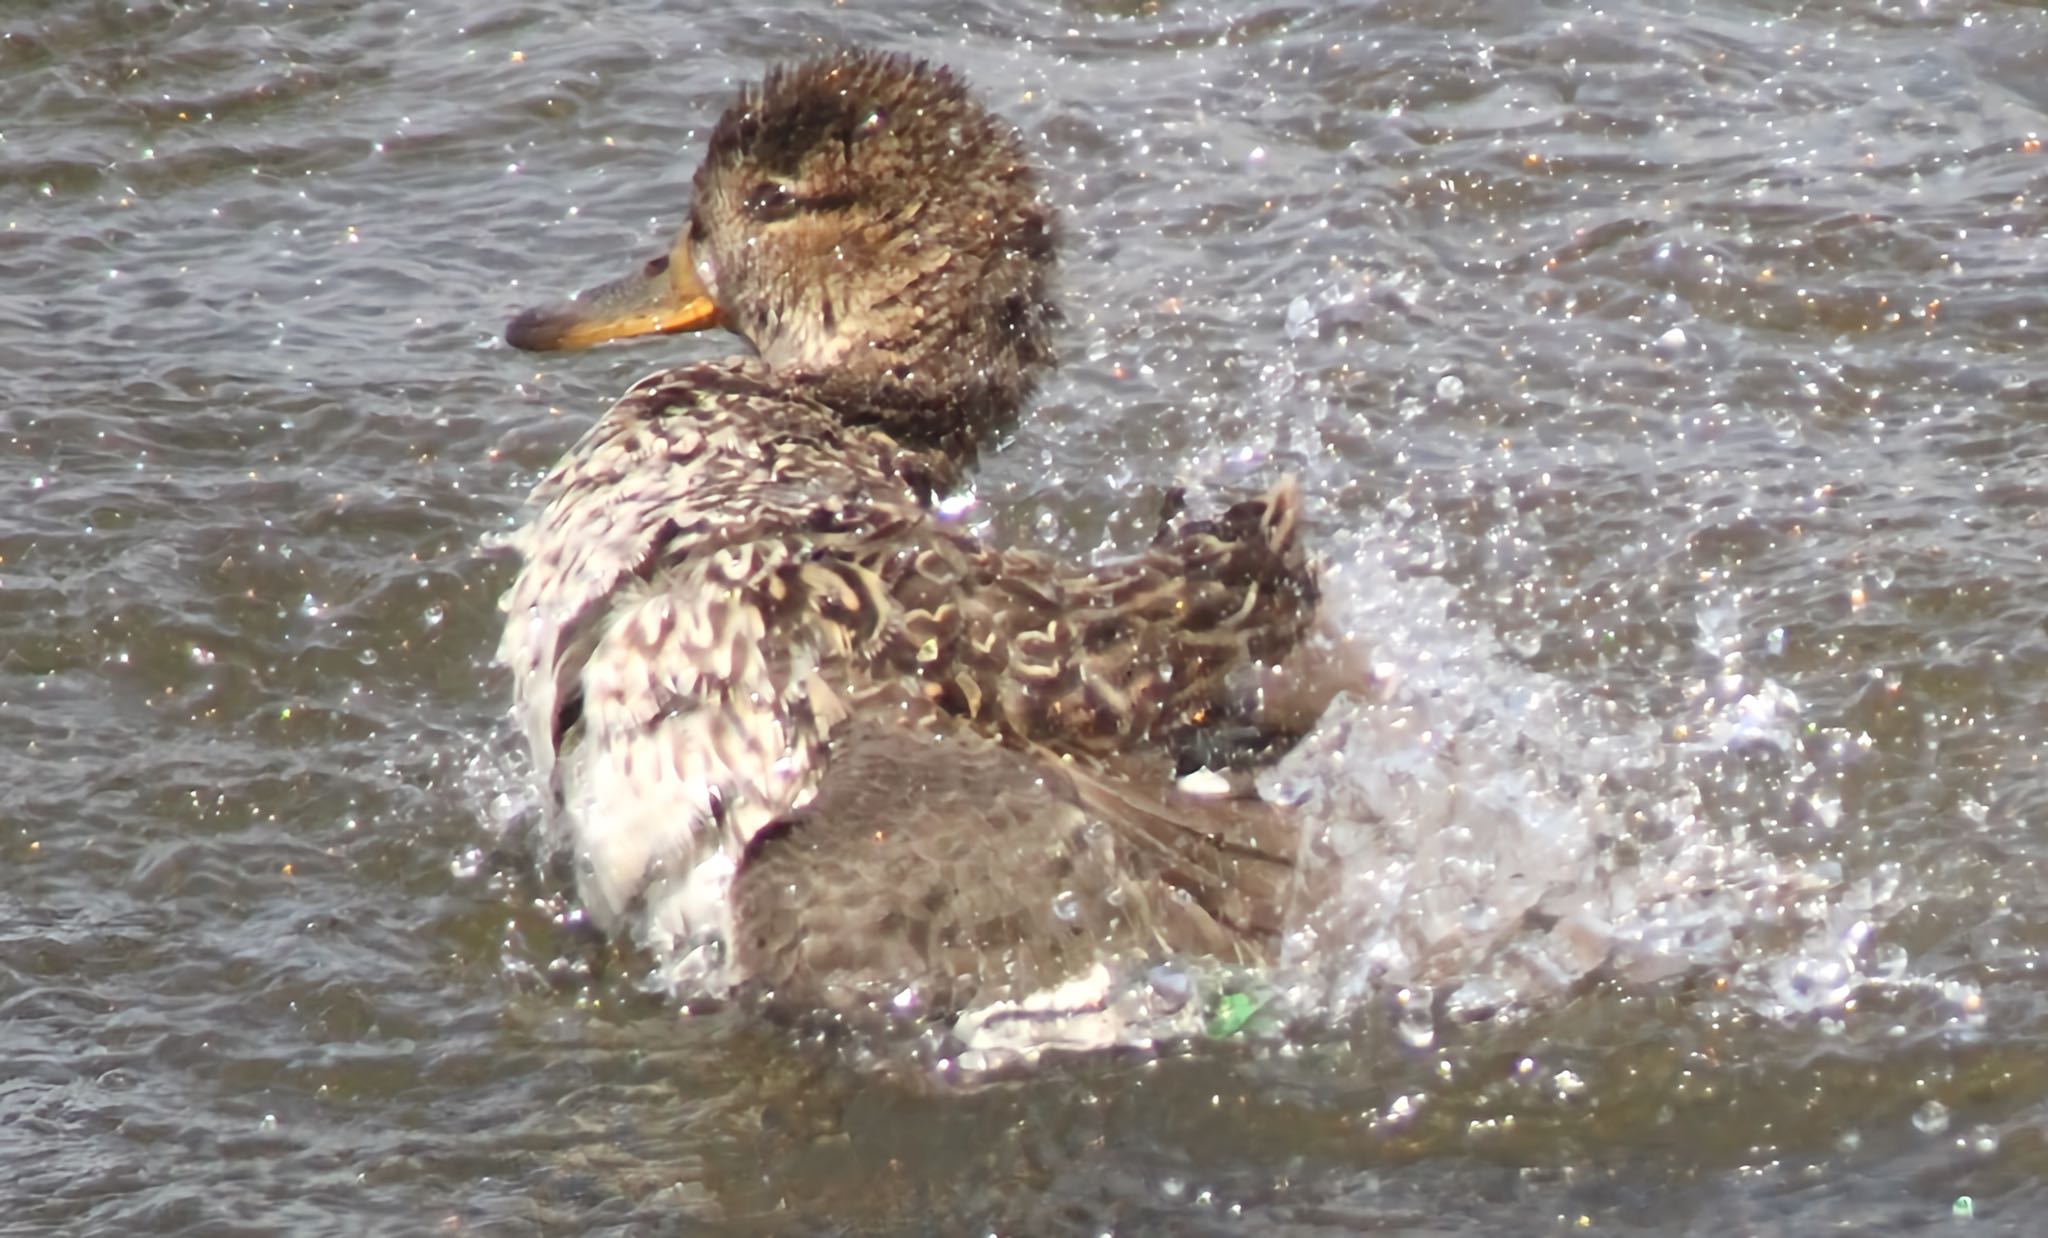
x,y
771,201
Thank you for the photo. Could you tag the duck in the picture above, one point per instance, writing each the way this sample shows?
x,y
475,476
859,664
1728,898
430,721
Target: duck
x,y
805,737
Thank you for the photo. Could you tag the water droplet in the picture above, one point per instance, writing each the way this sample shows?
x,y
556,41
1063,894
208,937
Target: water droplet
x,y
1066,905
504,810
1171,986
1415,1022
1931,1118
1301,320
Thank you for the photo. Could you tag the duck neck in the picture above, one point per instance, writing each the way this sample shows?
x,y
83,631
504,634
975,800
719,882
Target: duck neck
x,y
947,416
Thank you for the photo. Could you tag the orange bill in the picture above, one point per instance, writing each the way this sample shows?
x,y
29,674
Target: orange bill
x,y
665,296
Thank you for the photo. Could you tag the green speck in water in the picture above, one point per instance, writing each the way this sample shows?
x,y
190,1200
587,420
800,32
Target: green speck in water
x,y
1964,1208
1233,1011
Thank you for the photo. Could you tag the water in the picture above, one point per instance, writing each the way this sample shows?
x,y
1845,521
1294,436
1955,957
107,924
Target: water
x,y
1664,380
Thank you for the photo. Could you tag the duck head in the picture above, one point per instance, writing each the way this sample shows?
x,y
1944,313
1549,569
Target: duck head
x,y
873,231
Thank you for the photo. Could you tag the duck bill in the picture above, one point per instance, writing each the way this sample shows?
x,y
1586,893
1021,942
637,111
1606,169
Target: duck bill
x,y
664,297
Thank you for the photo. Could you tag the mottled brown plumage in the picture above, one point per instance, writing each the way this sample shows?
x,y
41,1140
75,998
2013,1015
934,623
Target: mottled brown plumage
x,y
804,734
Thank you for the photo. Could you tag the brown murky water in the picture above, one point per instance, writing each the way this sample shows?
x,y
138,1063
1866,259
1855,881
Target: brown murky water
x,y
1667,381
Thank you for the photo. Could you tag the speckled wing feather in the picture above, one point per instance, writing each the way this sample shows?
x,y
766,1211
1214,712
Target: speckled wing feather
x,y
690,603
1127,657
722,574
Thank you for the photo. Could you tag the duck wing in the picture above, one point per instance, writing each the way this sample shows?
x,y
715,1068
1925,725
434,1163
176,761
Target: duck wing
x,y
1157,654
937,870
